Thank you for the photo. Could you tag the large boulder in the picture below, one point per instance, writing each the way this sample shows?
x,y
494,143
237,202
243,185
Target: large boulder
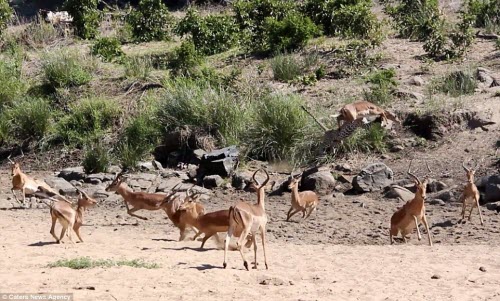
x,y
62,186
220,162
396,191
374,177
489,186
321,182
72,174
212,181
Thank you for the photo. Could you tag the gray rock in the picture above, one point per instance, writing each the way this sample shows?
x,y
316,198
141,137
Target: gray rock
x,y
62,186
150,166
95,181
103,177
493,206
220,162
437,202
435,185
374,177
343,167
139,184
397,148
489,186
212,181
240,180
322,182
72,174
396,191
417,81
114,169
446,195
406,94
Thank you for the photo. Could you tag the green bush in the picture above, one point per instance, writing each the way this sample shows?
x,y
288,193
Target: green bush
x,y
211,34
137,67
184,59
485,13
89,119
5,15
65,68
449,41
96,159
196,104
251,17
27,118
287,67
383,83
415,20
86,17
290,33
108,49
280,126
150,21
458,83
13,84
372,139
352,57
344,18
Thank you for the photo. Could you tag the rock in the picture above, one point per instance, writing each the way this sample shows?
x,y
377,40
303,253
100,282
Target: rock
x,y
343,167
72,174
446,195
322,182
139,184
435,276
435,186
417,81
482,269
150,166
103,177
345,179
406,94
489,186
493,206
396,191
167,184
114,169
212,181
95,181
437,202
374,177
483,75
220,162
62,186
197,156
192,171
397,148
239,180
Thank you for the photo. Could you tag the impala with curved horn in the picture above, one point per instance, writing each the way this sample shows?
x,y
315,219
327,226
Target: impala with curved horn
x,y
252,217
470,193
408,217
305,201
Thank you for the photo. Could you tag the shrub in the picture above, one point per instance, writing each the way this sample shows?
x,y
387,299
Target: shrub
x,y
372,139
40,34
108,49
198,105
5,15
66,68
96,158
344,18
28,118
85,17
13,84
211,34
89,119
279,127
289,67
350,58
449,41
150,21
485,13
184,59
137,67
382,87
290,33
415,20
458,83
251,18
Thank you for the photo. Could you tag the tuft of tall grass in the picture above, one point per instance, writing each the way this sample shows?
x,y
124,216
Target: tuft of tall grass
x,y
137,67
279,127
197,104
383,83
89,119
28,118
65,68
11,79
88,263
39,34
96,159
372,139
458,83
287,67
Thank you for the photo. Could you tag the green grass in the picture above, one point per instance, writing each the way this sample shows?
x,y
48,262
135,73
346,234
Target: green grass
x,y
288,67
96,159
88,263
372,139
67,68
40,34
139,67
457,83
11,79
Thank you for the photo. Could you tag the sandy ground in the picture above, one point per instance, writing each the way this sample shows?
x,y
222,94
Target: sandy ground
x,y
300,269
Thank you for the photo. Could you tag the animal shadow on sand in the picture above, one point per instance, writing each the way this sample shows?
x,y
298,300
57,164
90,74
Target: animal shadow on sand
x,y
204,267
189,248
42,243
164,239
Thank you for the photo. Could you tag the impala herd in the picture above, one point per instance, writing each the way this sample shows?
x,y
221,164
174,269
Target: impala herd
x,y
242,220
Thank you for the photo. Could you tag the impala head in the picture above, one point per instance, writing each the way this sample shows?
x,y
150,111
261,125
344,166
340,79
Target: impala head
x,y
294,180
116,182
421,186
188,205
255,184
84,200
471,171
15,167
171,198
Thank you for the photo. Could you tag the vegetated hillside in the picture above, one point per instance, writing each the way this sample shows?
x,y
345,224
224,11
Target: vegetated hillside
x,y
239,74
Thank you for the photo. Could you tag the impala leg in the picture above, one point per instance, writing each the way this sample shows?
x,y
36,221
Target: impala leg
x,y
416,225
207,236
293,213
288,214
310,211
63,231
226,245
76,228
15,196
479,209
70,227
263,237
183,233
24,196
52,229
254,251
424,220
463,207
243,236
131,212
